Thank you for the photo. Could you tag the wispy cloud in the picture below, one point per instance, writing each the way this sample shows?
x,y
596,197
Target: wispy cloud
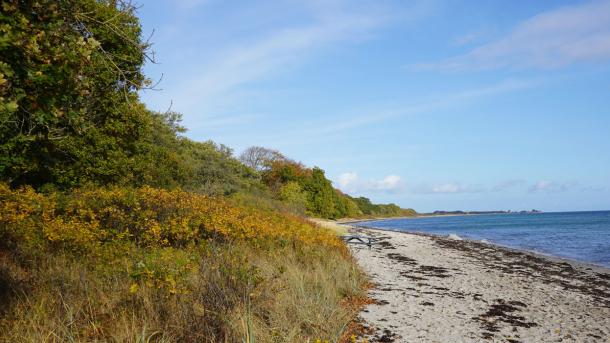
x,y
579,33
351,183
471,38
546,186
261,55
447,188
434,103
508,185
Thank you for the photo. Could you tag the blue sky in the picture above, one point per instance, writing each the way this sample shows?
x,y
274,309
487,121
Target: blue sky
x,y
474,105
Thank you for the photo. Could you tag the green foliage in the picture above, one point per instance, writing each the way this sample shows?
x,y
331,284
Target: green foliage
x,y
365,205
348,205
216,171
166,159
70,113
320,195
293,195
381,210
283,175
69,73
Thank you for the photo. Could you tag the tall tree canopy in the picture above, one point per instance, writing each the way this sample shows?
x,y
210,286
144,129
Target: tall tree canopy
x,y
69,75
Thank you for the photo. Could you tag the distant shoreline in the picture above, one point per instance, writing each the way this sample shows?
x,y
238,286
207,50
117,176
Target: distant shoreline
x,y
473,213
353,220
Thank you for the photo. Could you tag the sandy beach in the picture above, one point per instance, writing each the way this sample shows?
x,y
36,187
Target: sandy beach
x,y
438,289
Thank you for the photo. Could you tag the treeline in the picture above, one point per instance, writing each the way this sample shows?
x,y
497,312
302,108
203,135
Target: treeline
x,y
71,117
308,191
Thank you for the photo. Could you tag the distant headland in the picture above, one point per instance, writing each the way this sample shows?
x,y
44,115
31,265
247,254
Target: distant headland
x,y
454,213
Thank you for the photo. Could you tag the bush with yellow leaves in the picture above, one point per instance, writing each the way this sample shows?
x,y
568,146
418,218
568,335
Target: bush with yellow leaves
x,y
123,264
84,219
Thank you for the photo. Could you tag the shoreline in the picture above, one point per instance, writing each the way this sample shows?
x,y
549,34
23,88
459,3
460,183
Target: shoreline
x,y
536,254
354,220
550,257
431,288
419,216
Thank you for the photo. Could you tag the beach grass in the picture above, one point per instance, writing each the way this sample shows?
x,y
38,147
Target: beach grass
x,y
332,225
148,265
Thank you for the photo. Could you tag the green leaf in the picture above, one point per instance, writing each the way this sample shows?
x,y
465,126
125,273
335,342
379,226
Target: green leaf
x,y
12,106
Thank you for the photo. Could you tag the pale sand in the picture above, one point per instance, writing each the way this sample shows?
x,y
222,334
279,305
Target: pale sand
x,y
433,289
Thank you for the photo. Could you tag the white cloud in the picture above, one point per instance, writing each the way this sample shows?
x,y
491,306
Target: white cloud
x,y
389,183
448,188
347,179
351,183
547,186
579,33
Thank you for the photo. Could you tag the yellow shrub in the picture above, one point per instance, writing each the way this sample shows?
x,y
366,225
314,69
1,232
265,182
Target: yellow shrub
x,y
146,216
118,263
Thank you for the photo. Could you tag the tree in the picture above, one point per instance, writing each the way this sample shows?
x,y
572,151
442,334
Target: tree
x,y
293,195
320,195
217,172
69,75
259,158
365,205
167,159
347,207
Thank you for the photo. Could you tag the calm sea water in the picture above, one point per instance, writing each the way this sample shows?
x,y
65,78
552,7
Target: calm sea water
x,y
582,236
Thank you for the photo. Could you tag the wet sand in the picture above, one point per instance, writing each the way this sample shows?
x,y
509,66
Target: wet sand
x,y
436,289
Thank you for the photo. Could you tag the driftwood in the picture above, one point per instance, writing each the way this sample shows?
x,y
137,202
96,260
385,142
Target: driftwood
x,y
360,239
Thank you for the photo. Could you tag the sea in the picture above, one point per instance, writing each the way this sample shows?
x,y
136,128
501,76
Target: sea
x,y
580,236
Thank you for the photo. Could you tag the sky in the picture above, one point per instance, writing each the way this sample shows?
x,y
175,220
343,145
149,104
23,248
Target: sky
x,y
433,105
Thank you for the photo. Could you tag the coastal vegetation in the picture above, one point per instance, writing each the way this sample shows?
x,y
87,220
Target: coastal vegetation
x,y
308,191
116,227
127,265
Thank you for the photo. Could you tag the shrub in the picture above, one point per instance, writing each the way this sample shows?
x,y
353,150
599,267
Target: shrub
x,y
128,265
84,219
